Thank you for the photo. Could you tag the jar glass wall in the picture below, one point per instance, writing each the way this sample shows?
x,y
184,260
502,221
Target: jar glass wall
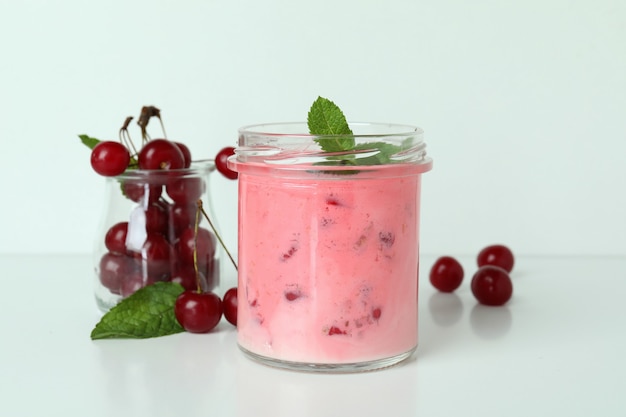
x,y
328,246
148,233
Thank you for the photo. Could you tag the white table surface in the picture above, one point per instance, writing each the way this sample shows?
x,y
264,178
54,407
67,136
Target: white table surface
x,y
557,349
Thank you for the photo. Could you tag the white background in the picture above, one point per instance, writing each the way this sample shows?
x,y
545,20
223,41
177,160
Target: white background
x,y
523,104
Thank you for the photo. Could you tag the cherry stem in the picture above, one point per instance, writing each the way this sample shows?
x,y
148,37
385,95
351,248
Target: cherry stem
x,y
162,125
148,112
125,135
195,251
201,208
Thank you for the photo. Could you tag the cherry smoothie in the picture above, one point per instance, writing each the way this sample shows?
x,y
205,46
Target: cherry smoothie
x,y
328,264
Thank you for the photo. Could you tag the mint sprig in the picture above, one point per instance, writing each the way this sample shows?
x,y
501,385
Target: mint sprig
x,y
325,118
327,121
149,312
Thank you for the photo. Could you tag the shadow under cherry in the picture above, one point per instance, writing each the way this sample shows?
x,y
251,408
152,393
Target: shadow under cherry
x,y
489,322
446,309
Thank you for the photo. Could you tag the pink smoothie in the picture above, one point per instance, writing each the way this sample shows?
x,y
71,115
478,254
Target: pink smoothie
x,y
328,266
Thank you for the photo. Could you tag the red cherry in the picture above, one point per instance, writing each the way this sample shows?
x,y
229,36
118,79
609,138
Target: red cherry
x,y
198,312
292,295
491,285
115,238
182,216
186,153
157,256
230,304
160,154
220,163
185,275
109,158
138,191
336,330
205,246
156,219
446,274
132,282
498,255
113,270
185,190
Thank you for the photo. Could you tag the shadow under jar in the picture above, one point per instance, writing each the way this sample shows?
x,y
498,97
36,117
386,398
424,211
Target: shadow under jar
x,y
328,246
148,233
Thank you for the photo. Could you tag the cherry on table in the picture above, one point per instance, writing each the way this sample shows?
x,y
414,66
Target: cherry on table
x,y
498,255
492,286
230,304
446,274
198,312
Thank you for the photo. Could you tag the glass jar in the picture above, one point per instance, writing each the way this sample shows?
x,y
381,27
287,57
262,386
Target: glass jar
x,y
148,233
328,246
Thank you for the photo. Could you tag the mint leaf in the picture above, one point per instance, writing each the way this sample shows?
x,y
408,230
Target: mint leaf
x,y
325,118
327,121
89,141
149,312
383,155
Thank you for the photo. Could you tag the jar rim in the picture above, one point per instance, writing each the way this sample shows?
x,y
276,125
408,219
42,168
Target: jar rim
x,y
395,149
360,130
199,167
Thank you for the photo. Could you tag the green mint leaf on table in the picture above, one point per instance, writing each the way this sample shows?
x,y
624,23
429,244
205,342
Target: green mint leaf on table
x,y
89,141
325,118
149,312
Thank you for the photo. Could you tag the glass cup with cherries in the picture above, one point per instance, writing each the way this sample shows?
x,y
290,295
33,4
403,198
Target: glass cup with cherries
x,y
156,223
